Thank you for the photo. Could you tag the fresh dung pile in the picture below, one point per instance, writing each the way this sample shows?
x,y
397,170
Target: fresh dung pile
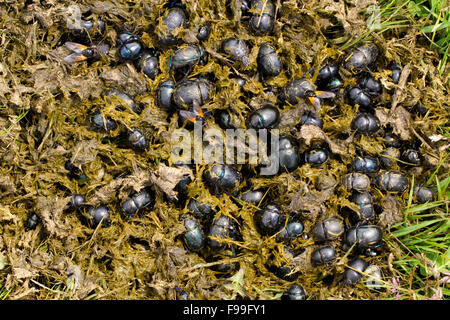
x,y
93,205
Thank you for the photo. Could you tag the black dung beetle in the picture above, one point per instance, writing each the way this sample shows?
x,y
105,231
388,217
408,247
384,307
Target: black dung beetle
x,y
284,269
316,157
204,32
223,227
222,178
224,269
253,196
303,88
194,238
352,273
412,157
323,255
295,292
370,85
359,96
187,56
89,28
270,219
174,18
366,210
366,164
138,201
268,61
289,157
390,141
292,231
75,172
237,49
389,157
361,57
266,117
240,81
191,91
102,123
391,181
137,140
148,63
262,19
223,119
100,215
181,294
327,72
420,109
164,94
310,118
366,123
129,46
356,181
32,221
423,194
396,71
329,229
202,211
124,100
77,201
364,237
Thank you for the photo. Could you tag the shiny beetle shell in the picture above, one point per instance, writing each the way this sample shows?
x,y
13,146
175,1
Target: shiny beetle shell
x,y
204,32
262,19
270,219
412,157
289,157
237,49
99,123
266,117
253,196
370,85
310,118
268,61
77,201
100,215
174,18
137,140
114,95
164,94
130,46
366,210
423,194
353,273
186,56
222,178
396,71
328,72
223,227
366,164
202,211
32,221
292,231
329,229
295,292
391,181
285,269
361,57
316,157
364,237
366,123
193,237
191,91
359,96
137,201
323,255
149,65
389,157
297,88
223,119
356,181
